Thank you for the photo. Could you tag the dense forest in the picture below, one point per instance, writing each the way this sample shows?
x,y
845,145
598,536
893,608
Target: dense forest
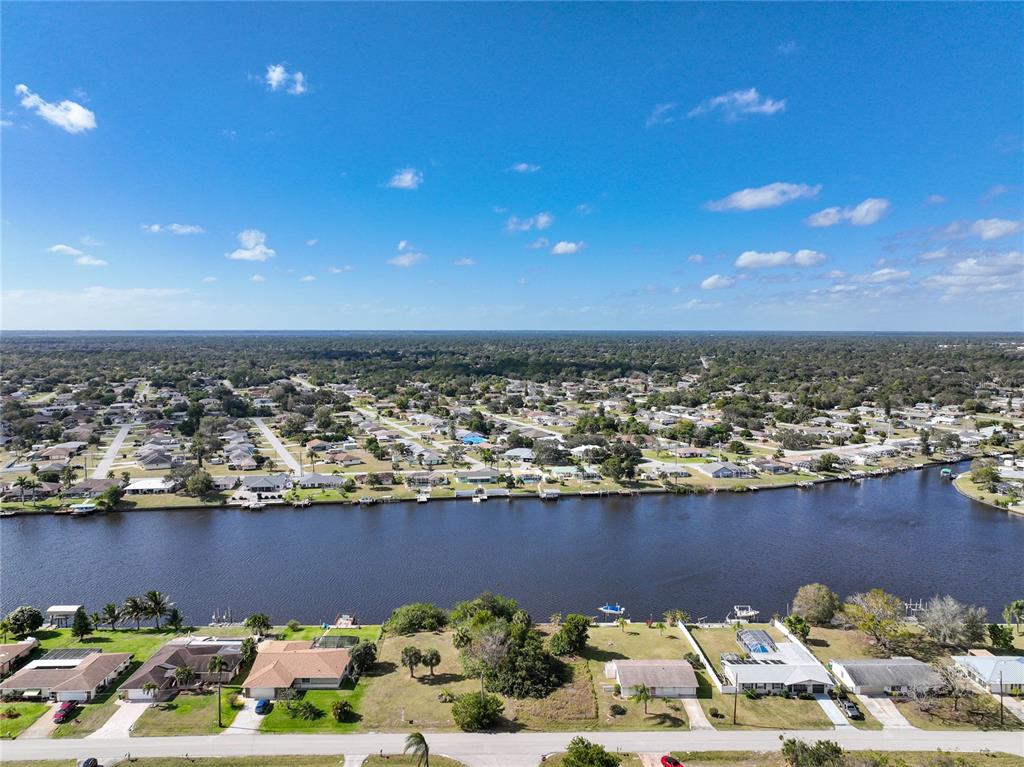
x,y
816,370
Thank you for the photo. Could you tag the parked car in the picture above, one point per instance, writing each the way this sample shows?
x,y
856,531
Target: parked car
x,y
850,709
64,712
670,761
262,706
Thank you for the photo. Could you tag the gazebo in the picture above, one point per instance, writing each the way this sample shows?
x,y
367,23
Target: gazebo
x,y
60,616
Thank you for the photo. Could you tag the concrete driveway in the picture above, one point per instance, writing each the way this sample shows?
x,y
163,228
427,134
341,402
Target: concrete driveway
x,y
832,711
120,723
41,727
885,711
247,721
695,715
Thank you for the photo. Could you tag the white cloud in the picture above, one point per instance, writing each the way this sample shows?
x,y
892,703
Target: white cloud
x,y
90,261
542,220
64,250
865,213
998,273
886,274
566,248
151,228
716,282
339,269
406,178
408,255
524,167
935,199
752,259
254,247
6,124
808,257
768,196
186,229
935,255
312,243
278,77
91,242
734,104
209,279
788,48
69,115
406,260
696,258
996,191
464,262
584,209
697,304
540,242
662,114
258,278
307,278
995,228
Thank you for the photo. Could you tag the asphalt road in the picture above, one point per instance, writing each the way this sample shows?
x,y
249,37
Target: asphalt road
x,y
100,472
286,458
518,750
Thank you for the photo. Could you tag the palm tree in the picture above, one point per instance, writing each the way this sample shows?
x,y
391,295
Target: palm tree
x,y
175,619
68,475
132,610
184,676
661,628
218,666
22,483
431,659
149,688
5,629
1014,613
416,743
156,605
33,485
111,615
641,695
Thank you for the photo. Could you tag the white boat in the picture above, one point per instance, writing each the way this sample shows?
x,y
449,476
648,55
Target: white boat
x,y
365,500
422,498
479,498
742,614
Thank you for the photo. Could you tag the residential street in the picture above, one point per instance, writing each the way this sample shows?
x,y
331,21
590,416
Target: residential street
x,y
286,458
100,472
518,750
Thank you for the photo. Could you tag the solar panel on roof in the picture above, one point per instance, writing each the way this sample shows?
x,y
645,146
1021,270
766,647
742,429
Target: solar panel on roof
x,y
69,653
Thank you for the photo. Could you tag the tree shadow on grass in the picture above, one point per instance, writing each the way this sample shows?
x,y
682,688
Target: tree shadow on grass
x,y
601,656
666,719
381,668
445,678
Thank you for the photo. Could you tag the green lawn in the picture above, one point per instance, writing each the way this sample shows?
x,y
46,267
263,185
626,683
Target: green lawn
x,y
841,644
407,760
188,714
903,758
141,643
253,760
769,712
26,714
279,720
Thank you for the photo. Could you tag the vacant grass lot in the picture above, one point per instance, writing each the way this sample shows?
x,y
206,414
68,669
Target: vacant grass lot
x,y
188,714
24,715
841,644
978,713
280,720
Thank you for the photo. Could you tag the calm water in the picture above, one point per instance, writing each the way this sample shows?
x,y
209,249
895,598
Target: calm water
x,y
911,534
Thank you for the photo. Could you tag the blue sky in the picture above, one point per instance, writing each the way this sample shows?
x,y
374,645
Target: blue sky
x,y
531,166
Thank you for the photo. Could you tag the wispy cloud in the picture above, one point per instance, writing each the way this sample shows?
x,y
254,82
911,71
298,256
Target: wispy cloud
x,y
663,114
768,196
717,282
524,167
64,250
307,278
695,258
257,278
254,247
312,243
788,48
464,262
279,78
68,115
87,260
998,273
208,279
567,248
753,259
406,178
540,242
408,255
173,228
863,214
995,228
736,104
339,269
935,199
541,221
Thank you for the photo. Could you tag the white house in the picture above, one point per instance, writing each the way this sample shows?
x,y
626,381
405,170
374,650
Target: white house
x,y
994,672
873,676
662,678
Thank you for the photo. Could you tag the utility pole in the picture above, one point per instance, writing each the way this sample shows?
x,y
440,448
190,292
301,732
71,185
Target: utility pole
x,y
1000,698
735,696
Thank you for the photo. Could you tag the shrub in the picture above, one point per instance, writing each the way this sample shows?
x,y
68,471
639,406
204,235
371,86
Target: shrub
x,y
694,660
752,694
363,656
583,753
616,709
476,711
714,712
446,696
342,711
304,710
293,625
571,637
805,696
289,693
419,616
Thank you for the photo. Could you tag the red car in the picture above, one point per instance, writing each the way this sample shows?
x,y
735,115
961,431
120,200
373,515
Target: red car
x,y
64,712
670,761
